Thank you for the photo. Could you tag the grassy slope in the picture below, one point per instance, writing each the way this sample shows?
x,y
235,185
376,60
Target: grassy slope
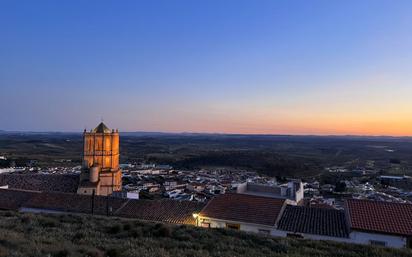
x,y
79,235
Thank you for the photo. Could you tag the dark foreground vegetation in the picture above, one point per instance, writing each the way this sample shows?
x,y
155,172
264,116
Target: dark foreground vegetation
x,y
80,235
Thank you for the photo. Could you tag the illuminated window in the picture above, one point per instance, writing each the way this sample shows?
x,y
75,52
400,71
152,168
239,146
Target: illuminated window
x,y
233,226
205,224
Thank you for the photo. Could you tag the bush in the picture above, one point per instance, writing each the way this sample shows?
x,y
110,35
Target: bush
x,y
25,219
113,252
62,253
94,253
162,230
48,222
135,232
78,236
115,229
127,227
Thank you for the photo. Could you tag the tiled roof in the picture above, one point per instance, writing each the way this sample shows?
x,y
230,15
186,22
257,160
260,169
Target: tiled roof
x,y
171,211
41,182
383,217
244,208
14,199
74,203
316,221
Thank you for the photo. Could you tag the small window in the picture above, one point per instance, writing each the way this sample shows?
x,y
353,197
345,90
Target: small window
x,y
233,226
294,235
264,231
205,225
378,243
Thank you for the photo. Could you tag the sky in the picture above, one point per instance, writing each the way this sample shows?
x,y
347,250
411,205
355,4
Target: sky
x,y
315,67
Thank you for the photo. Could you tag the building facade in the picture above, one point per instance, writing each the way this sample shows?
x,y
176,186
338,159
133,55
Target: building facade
x,y
101,173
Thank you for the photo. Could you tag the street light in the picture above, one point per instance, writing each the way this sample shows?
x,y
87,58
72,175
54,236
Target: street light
x,y
196,217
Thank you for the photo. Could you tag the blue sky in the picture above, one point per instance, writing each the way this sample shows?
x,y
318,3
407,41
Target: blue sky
x,y
294,67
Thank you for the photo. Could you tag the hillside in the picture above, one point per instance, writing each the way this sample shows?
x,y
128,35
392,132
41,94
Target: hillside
x,y
80,235
273,155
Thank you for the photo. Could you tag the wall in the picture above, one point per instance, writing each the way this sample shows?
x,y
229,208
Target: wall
x,y
247,227
391,240
354,237
36,210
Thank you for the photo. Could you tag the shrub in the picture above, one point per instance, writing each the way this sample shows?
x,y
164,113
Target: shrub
x,y
113,252
162,230
136,232
48,222
94,253
127,227
62,253
25,219
9,214
78,236
115,229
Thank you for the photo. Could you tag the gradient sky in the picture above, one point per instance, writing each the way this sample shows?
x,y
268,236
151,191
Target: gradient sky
x,y
230,66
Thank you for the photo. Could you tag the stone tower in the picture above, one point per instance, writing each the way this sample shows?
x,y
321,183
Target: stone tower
x,y
100,169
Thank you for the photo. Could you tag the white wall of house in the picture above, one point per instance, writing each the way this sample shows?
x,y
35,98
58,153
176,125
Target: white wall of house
x,y
282,233
354,237
366,238
37,210
247,227
255,228
328,238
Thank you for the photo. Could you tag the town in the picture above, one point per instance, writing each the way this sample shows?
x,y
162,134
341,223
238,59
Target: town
x,y
341,205
156,181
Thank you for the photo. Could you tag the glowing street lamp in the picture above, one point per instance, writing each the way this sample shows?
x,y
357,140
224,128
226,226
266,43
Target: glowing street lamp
x,y
196,217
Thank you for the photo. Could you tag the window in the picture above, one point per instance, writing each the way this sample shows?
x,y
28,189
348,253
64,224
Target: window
x,y
264,231
205,225
379,243
293,235
233,226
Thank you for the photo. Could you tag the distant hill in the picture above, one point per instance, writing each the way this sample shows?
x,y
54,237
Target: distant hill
x,y
275,155
81,235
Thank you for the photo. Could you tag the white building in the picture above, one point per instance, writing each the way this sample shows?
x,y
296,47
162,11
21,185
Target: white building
x,y
244,212
380,223
293,190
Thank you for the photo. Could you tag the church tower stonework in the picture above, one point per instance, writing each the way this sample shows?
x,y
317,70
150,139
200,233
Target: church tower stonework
x,y
101,173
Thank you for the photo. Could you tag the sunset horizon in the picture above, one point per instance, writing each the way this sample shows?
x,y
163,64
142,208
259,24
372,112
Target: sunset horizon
x,y
236,67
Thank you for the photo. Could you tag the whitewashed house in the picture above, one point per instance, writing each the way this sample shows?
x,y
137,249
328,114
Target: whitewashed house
x,y
293,190
248,213
380,223
313,223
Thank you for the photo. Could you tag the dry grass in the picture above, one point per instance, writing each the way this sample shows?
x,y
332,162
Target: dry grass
x,y
81,235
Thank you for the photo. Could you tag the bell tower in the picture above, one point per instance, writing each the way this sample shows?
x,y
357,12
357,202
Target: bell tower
x,y
100,169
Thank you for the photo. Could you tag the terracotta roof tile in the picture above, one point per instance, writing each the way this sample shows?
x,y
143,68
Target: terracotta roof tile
x,y
74,203
316,221
244,208
384,217
171,211
41,182
14,199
